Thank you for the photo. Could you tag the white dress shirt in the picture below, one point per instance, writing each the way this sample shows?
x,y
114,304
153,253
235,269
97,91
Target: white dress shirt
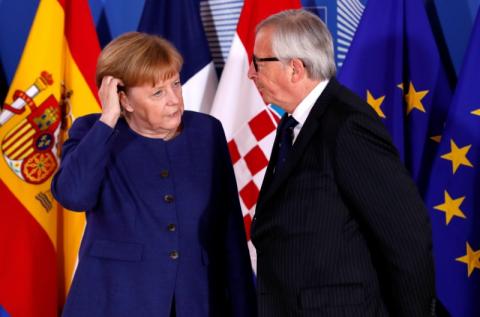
x,y
302,111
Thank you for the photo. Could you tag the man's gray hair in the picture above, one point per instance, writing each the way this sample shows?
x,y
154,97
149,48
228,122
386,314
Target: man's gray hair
x,y
301,34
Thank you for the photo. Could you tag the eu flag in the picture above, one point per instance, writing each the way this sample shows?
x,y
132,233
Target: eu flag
x,y
451,197
393,63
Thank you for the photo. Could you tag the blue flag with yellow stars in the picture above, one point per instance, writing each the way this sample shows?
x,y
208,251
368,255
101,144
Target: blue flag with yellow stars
x,y
393,62
453,204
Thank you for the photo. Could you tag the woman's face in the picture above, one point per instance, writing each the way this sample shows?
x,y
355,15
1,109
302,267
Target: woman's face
x,y
155,110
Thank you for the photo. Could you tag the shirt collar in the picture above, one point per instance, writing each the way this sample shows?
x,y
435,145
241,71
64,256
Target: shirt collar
x,y
303,109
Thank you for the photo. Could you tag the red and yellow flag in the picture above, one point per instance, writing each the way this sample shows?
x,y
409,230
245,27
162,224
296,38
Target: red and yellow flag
x,y
53,84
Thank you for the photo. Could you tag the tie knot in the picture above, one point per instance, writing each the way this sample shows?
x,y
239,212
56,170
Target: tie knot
x,y
290,123
286,128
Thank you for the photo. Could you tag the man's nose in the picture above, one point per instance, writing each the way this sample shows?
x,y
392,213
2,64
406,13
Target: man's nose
x,y
252,73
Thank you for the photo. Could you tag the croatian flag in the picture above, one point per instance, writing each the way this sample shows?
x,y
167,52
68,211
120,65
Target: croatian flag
x,y
180,23
248,122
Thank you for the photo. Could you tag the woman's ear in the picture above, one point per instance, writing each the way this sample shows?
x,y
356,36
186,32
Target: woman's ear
x,y
124,102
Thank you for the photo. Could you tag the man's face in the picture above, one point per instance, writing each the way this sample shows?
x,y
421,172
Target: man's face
x,y
270,77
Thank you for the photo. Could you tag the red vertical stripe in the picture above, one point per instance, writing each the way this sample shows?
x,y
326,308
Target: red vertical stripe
x,y
28,268
254,12
82,38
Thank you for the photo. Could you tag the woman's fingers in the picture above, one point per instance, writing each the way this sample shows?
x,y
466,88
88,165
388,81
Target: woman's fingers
x,y
109,99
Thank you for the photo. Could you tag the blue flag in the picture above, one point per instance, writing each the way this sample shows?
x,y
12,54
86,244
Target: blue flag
x,y
180,23
3,313
453,193
394,64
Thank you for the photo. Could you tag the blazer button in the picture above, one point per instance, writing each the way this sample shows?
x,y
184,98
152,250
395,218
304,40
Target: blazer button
x,y
168,198
171,227
164,174
173,255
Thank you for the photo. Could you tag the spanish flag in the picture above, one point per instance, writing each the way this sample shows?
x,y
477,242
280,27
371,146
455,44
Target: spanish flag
x,y
54,83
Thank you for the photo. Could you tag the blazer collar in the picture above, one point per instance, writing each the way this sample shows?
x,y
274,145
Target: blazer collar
x,y
272,183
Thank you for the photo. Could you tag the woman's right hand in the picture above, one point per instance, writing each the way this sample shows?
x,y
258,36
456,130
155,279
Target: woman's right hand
x,y
109,99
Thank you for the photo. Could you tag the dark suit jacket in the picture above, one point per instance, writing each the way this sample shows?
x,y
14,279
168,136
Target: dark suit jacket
x,y
341,230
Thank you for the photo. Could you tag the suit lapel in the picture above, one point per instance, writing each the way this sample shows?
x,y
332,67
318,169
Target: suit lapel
x,y
273,157
272,182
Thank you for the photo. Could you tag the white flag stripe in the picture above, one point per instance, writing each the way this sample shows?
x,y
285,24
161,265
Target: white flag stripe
x,y
243,176
245,140
237,99
267,142
199,90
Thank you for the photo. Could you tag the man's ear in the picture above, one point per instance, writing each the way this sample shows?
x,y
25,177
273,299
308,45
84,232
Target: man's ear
x,y
298,70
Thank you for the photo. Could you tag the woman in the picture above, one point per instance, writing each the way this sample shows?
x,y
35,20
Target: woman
x,y
164,234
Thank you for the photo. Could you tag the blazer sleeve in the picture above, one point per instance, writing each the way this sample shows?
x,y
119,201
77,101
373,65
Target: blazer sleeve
x,y
240,279
378,188
85,154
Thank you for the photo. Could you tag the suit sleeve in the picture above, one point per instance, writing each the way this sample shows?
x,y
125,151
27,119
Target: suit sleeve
x,y
240,278
85,154
383,197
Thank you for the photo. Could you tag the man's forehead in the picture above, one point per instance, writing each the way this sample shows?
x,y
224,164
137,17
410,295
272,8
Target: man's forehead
x,y
265,32
263,40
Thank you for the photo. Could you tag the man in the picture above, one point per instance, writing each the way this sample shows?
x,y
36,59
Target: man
x,y
340,229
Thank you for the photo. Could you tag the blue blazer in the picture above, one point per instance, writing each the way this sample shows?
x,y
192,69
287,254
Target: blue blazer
x,y
163,222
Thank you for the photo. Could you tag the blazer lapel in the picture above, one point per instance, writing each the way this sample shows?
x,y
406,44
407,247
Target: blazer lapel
x,y
267,179
272,182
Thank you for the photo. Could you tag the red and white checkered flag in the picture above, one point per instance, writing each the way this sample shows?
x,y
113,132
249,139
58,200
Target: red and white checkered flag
x,y
249,124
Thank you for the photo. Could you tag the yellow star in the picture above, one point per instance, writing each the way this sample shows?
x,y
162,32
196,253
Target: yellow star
x,y
376,104
451,208
471,259
400,86
476,112
414,99
458,156
436,138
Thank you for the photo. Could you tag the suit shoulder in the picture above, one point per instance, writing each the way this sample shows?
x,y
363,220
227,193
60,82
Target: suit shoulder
x,y
346,106
87,121
358,119
199,119
350,103
346,111
205,129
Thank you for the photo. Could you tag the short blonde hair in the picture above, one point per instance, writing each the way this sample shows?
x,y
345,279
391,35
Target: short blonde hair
x,y
137,58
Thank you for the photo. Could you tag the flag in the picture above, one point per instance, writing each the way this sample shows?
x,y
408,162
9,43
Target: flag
x,y
14,15
3,313
180,23
17,15
53,84
452,196
393,62
248,123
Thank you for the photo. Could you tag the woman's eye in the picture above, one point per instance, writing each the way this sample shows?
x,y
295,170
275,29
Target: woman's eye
x,y
177,83
158,93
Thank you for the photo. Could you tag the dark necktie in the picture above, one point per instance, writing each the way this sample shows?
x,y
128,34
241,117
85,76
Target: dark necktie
x,y
286,141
